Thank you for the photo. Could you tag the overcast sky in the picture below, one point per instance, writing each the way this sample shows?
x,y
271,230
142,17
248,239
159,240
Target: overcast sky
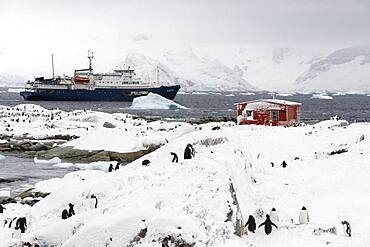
x,y
32,29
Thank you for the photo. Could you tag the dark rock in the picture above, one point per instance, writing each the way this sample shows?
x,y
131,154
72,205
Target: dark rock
x,y
108,125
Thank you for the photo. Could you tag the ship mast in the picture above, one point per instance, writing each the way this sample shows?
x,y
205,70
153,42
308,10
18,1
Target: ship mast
x,y
52,64
90,56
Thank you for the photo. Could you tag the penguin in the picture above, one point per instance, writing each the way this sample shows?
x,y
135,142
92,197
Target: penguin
x,y
346,228
110,169
274,216
71,211
175,158
11,222
21,224
117,167
284,164
145,162
167,241
303,216
188,152
2,209
268,225
96,200
251,224
65,214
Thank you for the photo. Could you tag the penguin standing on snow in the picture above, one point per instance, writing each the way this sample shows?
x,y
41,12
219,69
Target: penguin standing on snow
x,y
110,169
284,164
303,216
175,158
188,153
71,211
21,224
274,216
65,214
268,225
1,209
96,200
251,224
346,228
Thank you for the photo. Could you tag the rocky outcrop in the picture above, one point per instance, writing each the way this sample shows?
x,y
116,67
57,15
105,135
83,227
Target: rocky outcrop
x,y
29,197
77,155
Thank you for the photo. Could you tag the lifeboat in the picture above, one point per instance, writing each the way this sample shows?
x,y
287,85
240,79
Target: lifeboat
x,y
81,79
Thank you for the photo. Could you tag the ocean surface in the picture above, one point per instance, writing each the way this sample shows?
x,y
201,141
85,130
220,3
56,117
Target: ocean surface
x,y
352,107
19,174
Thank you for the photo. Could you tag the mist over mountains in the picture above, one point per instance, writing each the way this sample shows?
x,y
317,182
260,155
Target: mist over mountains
x,y
199,67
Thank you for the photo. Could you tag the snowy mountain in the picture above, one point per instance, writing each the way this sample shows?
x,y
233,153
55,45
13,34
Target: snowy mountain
x,y
200,67
193,72
343,70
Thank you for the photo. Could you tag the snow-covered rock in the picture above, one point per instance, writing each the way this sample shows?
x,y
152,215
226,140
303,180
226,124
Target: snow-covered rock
x,y
155,101
199,200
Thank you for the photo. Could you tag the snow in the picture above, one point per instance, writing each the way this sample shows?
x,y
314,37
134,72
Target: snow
x,y
247,93
155,101
191,199
284,94
282,102
262,105
99,165
52,161
2,157
15,90
4,193
321,96
130,136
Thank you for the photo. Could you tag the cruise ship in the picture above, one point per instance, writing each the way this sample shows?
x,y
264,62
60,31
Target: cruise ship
x,y
85,85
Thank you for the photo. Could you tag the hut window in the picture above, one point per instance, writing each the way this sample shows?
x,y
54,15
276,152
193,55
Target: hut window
x,y
275,115
249,115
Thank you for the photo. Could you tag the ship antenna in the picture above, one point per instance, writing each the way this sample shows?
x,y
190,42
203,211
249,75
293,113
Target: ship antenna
x,y
52,64
90,56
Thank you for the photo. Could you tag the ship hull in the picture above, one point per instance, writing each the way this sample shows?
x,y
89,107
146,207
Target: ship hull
x,y
98,94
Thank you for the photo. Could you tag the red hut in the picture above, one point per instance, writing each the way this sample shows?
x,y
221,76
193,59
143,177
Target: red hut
x,y
272,112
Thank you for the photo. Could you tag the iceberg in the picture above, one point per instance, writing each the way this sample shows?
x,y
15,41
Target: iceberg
x,y
321,96
154,101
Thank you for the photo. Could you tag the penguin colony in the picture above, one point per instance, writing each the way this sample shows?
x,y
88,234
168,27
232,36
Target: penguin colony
x,y
272,220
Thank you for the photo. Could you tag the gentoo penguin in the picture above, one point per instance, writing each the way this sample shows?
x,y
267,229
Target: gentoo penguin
x,y
110,169
21,224
188,152
268,225
116,167
346,228
96,201
175,158
251,224
303,216
274,216
71,211
284,164
65,214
